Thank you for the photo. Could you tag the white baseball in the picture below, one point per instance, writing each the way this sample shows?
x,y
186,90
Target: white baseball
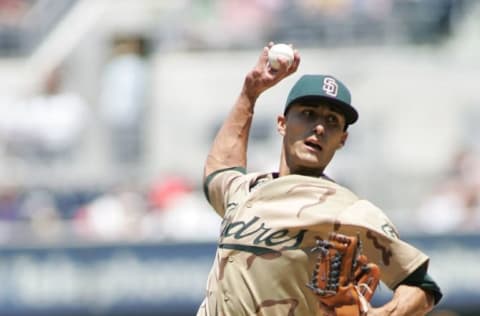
x,y
282,51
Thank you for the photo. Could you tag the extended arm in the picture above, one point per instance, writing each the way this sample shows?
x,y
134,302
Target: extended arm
x,y
416,295
406,301
229,148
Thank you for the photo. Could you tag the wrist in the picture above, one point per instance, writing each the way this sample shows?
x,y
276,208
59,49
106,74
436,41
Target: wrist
x,y
248,99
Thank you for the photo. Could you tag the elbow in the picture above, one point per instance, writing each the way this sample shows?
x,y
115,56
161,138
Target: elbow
x,y
208,170
210,167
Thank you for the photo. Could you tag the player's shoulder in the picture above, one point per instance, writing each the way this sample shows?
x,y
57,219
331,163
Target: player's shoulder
x,y
236,176
367,205
365,208
241,174
322,188
372,216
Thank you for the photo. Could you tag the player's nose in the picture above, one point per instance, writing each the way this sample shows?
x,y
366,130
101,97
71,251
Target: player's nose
x,y
319,129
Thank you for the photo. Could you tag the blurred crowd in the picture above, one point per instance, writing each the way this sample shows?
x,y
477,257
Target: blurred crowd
x,y
174,208
246,23
50,128
243,23
453,206
46,126
50,125
169,209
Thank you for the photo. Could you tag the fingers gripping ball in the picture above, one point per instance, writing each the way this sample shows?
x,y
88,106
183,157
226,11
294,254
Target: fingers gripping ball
x,y
280,51
343,278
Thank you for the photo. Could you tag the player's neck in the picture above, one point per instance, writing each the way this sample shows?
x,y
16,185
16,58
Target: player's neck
x,y
285,170
304,172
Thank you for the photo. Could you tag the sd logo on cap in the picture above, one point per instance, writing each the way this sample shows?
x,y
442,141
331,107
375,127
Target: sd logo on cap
x,y
323,88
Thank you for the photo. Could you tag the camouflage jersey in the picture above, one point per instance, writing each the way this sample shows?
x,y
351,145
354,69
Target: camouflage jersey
x,y
270,224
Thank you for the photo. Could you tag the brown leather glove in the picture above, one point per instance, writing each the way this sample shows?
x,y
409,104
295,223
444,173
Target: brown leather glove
x,y
343,279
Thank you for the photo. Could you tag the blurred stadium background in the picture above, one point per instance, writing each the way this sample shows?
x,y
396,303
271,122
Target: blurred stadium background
x,y
108,108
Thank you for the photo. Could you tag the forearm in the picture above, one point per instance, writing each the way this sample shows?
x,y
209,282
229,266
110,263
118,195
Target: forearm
x,y
229,147
406,301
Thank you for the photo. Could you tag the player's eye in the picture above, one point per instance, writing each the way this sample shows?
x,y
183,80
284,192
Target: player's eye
x,y
333,120
307,112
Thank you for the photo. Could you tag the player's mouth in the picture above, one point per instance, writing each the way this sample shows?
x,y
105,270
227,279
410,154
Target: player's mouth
x,y
313,146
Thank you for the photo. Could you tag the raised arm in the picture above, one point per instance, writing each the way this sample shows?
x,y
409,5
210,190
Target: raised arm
x,y
229,148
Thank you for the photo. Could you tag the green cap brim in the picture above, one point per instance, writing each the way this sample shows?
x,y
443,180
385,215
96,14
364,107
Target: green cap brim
x,y
351,115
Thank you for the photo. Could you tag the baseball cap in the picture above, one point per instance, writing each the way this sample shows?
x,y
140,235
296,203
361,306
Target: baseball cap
x,y
326,88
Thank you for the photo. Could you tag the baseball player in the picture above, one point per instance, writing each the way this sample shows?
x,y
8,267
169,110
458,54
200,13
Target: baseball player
x,y
272,220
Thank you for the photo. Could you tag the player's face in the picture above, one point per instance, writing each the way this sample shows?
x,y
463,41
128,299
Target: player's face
x,y
311,135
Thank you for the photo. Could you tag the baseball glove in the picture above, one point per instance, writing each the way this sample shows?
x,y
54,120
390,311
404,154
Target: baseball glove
x,y
343,279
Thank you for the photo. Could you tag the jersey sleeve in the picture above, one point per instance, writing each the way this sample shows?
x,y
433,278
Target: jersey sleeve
x,y
220,186
382,245
421,279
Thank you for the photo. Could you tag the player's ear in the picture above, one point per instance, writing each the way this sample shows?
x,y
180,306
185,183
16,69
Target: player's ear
x,y
343,140
281,124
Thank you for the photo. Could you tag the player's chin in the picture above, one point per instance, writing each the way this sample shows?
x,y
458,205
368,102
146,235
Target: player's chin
x,y
311,158
311,162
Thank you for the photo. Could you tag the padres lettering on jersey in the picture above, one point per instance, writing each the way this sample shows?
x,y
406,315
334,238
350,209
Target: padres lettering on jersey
x,y
263,261
262,234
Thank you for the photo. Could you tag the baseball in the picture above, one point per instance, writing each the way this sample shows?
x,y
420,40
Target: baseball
x,y
282,51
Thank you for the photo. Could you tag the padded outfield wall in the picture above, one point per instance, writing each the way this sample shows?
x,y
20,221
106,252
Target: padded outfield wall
x,y
169,279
